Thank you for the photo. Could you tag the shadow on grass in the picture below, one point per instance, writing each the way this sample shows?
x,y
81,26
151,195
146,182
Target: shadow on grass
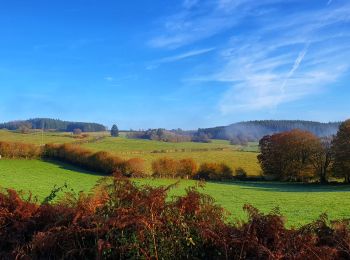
x,y
288,187
69,167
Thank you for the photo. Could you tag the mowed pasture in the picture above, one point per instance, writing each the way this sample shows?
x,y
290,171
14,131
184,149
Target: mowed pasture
x,y
216,151
39,138
41,177
299,203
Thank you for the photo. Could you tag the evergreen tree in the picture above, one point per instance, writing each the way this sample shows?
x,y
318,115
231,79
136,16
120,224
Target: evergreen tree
x,y
114,131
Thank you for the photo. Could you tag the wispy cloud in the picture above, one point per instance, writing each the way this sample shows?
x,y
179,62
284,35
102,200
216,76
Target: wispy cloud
x,y
179,57
191,25
296,65
189,3
277,59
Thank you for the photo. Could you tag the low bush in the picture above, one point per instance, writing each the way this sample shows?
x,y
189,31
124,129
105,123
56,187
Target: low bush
x,y
240,174
214,171
170,168
122,221
187,168
134,167
165,167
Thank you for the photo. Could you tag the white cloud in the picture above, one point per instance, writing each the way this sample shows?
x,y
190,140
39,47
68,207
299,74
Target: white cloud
x,y
178,57
109,78
189,25
272,57
288,58
185,55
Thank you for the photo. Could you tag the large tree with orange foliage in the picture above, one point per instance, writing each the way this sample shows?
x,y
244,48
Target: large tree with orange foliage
x,y
287,155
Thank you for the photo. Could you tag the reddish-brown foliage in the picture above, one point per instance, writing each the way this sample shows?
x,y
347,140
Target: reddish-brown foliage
x,y
170,168
101,161
187,168
214,171
165,167
19,150
134,167
287,155
120,220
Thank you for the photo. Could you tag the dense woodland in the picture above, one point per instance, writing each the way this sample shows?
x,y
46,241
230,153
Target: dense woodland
x,y
52,124
239,133
161,134
253,131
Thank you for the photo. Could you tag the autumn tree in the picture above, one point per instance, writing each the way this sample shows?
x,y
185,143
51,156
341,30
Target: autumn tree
x,y
322,158
165,167
287,155
187,168
114,131
341,149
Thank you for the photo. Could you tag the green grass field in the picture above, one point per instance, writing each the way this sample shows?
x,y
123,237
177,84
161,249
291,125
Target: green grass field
x,y
37,137
40,177
299,203
216,151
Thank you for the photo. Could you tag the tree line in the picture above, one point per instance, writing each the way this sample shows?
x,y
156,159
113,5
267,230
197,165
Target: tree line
x,y
161,134
253,131
52,124
299,155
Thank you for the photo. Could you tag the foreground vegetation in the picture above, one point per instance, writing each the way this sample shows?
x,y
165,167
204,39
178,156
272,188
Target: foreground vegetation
x,y
299,203
122,221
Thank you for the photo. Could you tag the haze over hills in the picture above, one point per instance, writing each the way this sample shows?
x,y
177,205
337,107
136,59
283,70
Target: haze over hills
x,y
255,130
242,131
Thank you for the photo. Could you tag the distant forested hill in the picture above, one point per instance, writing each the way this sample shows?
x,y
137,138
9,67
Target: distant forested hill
x,y
54,124
255,130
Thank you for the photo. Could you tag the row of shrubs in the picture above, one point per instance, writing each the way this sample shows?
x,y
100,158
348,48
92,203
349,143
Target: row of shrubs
x,y
108,163
19,150
187,168
102,162
122,221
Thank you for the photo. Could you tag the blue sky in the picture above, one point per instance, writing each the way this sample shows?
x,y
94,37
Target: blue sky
x,y
188,64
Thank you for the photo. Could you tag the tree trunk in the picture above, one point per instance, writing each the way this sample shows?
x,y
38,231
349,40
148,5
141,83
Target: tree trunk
x,y
323,178
347,179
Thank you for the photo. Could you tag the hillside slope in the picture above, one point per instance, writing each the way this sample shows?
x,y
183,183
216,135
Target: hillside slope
x,y
255,130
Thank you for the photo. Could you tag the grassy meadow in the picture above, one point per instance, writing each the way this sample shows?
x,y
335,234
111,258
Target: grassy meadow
x,y
216,151
39,138
148,150
299,203
40,177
